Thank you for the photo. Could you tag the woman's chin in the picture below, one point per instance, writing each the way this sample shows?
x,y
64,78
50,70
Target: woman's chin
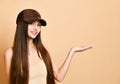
x,y
32,37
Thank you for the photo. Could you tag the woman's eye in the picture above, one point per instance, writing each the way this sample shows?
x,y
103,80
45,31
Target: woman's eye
x,y
31,23
34,23
38,24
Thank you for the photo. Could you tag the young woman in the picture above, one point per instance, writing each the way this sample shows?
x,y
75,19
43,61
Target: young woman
x,y
28,61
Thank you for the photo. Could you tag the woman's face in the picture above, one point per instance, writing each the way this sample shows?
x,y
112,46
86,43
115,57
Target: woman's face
x,y
34,29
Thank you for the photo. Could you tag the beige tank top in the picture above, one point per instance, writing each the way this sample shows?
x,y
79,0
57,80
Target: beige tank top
x,y
38,73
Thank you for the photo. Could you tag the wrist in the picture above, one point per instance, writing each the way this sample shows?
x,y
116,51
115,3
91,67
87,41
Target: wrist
x,y
72,51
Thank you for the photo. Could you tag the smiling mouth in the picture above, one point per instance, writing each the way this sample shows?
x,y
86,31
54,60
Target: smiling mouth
x,y
34,32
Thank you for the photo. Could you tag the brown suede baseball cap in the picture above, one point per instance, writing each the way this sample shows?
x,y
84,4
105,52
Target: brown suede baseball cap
x,y
29,16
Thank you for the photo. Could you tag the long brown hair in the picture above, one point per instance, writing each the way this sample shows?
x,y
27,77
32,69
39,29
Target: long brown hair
x,y
19,71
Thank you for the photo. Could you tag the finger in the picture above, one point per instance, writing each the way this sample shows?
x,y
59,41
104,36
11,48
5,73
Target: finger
x,y
85,48
88,47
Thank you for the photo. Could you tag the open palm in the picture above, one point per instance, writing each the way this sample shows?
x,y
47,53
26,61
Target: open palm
x,y
81,48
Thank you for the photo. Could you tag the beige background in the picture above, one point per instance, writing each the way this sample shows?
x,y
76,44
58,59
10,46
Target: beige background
x,y
70,23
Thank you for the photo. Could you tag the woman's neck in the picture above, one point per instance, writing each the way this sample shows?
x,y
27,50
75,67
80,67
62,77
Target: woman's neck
x,y
30,44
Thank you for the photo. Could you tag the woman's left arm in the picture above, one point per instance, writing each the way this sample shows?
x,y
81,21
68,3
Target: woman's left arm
x,y
60,73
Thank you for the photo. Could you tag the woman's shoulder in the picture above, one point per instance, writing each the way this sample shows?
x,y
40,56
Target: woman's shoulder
x,y
9,53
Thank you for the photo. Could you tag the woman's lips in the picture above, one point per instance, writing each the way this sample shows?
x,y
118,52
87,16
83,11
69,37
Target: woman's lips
x,y
34,32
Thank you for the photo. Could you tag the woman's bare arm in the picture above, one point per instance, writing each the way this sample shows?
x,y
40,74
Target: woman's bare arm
x,y
60,73
7,58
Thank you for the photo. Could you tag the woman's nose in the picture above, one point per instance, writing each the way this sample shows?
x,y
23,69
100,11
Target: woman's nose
x,y
35,27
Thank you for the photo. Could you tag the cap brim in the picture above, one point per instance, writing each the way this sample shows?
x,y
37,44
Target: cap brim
x,y
43,22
